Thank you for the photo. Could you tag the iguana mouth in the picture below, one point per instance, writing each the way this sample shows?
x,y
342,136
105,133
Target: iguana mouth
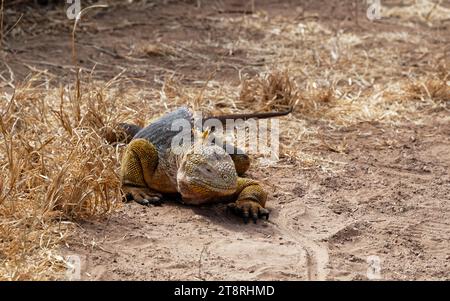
x,y
198,189
217,188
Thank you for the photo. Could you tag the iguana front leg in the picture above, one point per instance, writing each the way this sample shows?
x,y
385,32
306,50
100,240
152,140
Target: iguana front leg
x,y
251,200
241,163
240,158
139,163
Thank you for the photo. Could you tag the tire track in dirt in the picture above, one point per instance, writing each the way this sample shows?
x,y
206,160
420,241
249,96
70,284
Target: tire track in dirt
x,y
316,252
432,236
256,248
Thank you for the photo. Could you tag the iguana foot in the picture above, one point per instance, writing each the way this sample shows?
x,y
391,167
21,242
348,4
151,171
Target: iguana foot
x,y
142,196
248,209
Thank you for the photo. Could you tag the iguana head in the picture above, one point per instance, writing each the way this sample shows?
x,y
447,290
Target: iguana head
x,y
205,172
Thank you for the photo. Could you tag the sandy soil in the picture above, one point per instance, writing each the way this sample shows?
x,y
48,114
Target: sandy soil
x,y
390,198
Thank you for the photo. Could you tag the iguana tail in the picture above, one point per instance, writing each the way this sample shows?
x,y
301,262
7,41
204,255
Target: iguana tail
x,y
126,131
245,116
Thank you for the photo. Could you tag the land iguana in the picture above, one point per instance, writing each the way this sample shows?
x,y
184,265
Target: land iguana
x,y
201,173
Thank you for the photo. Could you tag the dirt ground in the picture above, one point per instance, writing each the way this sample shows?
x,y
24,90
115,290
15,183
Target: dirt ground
x,y
389,201
387,194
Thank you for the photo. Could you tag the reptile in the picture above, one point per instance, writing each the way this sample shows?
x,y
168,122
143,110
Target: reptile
x,y
202,172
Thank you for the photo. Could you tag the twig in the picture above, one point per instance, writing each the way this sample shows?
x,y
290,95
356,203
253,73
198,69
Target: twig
x,y
427,17
236,11
12,27
200,95
75,62
125,25
200,263
71,67
11,76
1,22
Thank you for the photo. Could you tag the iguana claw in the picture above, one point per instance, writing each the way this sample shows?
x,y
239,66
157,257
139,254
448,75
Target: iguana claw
x,y
247,209
155,201
143,196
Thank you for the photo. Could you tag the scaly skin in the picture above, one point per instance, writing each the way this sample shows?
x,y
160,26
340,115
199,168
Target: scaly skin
x,y
144,179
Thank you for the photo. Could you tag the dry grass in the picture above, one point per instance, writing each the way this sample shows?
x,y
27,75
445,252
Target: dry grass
x,y
428,11
432,89
57,168
156,50
268,91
